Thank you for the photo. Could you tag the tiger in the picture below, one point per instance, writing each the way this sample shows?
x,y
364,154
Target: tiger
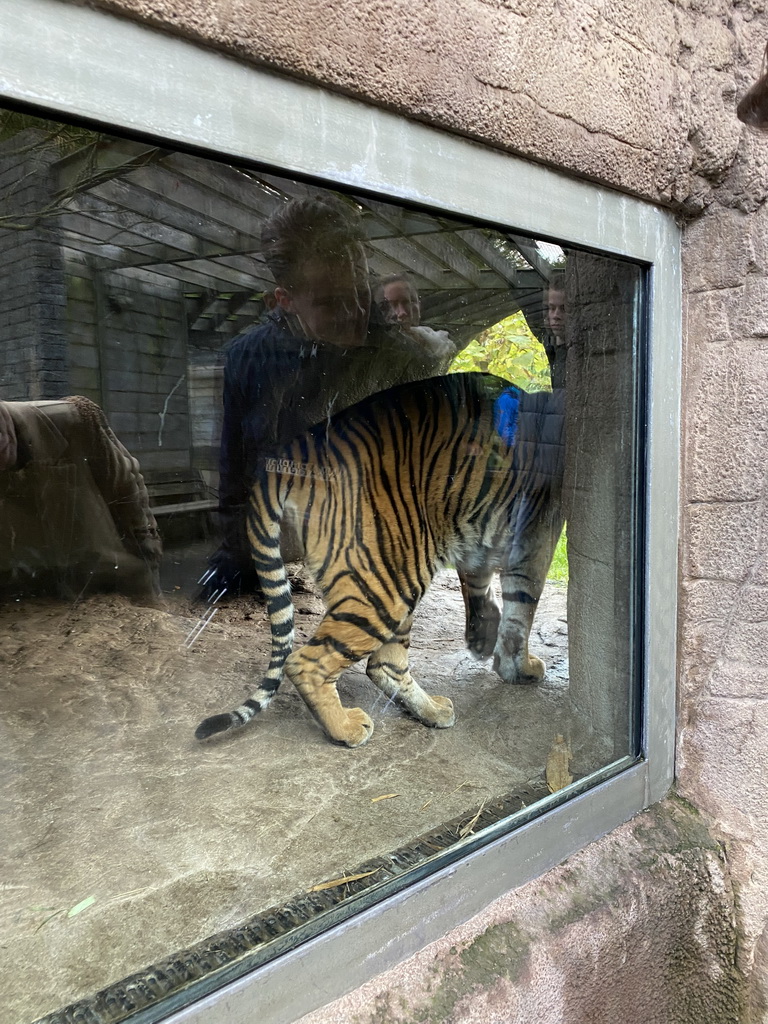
x,y
448,470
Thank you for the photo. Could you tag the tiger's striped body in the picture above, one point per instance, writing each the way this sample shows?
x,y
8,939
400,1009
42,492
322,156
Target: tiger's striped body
x,y
386,492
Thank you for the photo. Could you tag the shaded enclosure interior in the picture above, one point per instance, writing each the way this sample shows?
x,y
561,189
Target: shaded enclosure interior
x,y
126,268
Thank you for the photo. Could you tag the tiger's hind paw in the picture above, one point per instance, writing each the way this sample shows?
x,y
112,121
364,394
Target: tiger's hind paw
x,y
355,730
480,647
441,714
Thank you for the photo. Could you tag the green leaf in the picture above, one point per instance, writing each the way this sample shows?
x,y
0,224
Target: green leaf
x,y
81,906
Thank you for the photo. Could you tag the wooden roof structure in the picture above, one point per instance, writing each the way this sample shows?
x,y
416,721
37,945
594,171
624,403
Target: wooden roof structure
x,y
140,209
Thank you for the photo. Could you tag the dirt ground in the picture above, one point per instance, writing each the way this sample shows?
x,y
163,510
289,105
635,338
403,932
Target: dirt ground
x,y
125,840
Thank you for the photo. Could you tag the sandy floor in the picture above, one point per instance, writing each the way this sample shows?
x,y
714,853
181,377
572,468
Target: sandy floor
x,y
125,840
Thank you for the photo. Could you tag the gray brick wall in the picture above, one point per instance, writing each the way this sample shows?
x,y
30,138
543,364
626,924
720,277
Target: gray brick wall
x,y
33,344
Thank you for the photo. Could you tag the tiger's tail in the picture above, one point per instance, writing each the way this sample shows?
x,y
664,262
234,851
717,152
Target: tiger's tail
x,y
264,518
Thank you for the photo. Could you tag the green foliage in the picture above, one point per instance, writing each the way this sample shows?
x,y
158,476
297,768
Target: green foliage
x,y
509,350
558,571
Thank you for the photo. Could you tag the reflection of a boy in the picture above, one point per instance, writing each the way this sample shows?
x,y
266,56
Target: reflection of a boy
x,y
319,351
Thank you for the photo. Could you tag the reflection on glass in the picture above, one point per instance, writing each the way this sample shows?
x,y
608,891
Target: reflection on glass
x,y
391,412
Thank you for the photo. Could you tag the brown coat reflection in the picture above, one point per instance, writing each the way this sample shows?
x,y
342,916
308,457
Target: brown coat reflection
x,y
74,511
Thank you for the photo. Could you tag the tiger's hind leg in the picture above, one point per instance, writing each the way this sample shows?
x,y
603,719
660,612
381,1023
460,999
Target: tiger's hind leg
x,y
482,612
314,670
388,669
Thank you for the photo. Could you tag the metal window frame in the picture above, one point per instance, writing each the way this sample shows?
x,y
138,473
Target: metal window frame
x,y
77,62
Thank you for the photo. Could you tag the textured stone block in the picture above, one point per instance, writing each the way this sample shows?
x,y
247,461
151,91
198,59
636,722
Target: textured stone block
x,y
706,611
727,423
722,766
717,251
721,540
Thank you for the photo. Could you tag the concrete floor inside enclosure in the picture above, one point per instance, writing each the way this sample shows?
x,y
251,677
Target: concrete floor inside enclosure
x,y
126,840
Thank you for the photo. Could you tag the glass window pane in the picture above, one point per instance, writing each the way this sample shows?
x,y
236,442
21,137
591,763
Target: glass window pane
x,y
434,426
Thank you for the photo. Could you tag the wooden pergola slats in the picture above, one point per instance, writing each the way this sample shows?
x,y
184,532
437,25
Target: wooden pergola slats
x,y
140,209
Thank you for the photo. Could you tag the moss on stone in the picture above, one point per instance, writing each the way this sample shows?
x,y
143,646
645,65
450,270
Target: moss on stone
x,y
583,902
499,952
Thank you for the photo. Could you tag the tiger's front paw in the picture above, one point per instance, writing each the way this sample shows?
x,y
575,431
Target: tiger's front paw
x,y
482,629
520,671
440,714
355,730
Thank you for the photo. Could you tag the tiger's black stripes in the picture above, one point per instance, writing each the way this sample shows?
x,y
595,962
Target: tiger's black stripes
x,y
386,492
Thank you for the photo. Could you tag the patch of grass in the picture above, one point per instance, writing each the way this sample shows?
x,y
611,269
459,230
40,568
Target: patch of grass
x,y
558,571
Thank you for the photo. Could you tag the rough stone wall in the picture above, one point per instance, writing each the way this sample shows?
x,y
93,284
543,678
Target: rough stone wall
x,y
723,692
640,96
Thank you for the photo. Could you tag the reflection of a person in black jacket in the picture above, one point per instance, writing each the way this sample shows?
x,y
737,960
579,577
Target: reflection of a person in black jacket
x,y
555,325
320,350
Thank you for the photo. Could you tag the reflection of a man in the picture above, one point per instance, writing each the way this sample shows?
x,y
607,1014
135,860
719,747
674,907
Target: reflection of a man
x,y
320,350
326,290
555,313
536,422
399,300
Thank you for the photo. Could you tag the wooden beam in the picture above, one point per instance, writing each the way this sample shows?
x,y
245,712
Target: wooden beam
x,y
102,160
527,247
481,242
130,195
139,224
178,190
411,258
